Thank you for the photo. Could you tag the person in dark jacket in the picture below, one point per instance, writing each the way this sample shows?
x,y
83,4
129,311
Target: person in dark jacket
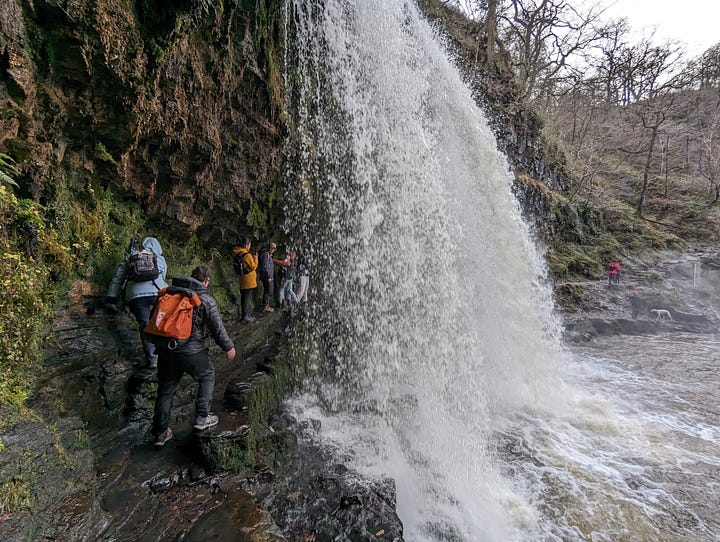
x,y
635,303
191,356
140,297
266,272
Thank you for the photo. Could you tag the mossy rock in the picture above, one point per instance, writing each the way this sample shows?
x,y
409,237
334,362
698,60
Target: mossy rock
x,y
573,296
572,260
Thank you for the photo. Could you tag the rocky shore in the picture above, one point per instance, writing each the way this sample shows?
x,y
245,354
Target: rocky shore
x,y
91,474
82,461
687,285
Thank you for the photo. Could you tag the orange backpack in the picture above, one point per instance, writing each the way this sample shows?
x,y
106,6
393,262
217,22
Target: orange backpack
x,y
172,316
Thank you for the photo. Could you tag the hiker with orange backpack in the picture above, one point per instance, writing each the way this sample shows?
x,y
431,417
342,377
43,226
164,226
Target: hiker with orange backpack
x,y
141,274
185,316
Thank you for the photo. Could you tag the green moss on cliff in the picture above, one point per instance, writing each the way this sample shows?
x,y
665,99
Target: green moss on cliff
x,y
25,291
16,492
82,233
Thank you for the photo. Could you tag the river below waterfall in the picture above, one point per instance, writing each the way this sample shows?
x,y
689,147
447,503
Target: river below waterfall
x,y
631,453
653,446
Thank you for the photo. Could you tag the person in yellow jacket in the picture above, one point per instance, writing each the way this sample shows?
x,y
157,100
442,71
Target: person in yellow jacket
x,y
245,265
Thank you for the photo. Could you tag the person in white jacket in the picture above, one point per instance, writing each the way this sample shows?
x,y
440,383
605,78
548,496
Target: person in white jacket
x,y
140,296
303,270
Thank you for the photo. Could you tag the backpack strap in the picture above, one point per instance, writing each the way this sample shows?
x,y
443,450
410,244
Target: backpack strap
x,y
180,290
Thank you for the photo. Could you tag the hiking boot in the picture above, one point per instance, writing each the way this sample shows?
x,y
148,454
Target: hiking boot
x,y
248,319
268,308
152,364
163,437
205,422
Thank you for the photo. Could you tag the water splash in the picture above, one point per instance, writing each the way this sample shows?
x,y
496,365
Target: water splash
x,y
431,307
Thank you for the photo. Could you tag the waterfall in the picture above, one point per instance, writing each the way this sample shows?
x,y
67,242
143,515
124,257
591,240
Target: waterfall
x,y
430,307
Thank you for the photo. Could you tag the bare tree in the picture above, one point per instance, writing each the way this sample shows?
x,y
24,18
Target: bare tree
x,y
709,160
649,68
604,92
543,35
491,28
709,68
651,122
613,40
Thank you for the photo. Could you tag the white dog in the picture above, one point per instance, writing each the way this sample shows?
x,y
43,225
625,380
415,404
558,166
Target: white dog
x,y
661,314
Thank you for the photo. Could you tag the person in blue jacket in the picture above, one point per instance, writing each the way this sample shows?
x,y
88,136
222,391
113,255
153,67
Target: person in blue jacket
x,y
140,297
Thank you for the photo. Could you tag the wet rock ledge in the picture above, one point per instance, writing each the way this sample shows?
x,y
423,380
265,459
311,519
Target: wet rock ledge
x,y
78,465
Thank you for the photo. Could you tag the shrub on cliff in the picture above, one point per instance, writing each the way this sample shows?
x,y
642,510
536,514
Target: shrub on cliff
x,y
24,292
41,249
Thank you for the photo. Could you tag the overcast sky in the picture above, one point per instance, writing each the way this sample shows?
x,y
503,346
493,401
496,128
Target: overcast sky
x,y
696,23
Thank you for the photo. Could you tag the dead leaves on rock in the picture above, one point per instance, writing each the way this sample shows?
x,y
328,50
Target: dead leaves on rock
x,y
295,495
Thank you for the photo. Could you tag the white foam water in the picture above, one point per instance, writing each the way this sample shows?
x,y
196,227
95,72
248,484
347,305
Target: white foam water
x,y
444,369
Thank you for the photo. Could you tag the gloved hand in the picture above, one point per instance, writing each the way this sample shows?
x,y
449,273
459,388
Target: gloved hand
x,y
110,304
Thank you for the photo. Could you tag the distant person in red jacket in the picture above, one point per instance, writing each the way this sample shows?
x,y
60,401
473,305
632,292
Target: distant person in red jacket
x,y
613,270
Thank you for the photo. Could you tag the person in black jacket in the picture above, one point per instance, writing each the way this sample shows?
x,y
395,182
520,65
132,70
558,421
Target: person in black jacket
x,y
266,273
191,356
635,303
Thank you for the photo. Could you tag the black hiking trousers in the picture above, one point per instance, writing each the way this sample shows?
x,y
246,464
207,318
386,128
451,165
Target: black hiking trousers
x,y
171,367
142,308
245,296
268,291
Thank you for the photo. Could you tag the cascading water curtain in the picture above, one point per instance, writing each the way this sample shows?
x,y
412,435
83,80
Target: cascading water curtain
x,y
429,305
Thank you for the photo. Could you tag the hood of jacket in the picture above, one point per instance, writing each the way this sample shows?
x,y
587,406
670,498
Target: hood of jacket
x,y
189,282
240,250
153,244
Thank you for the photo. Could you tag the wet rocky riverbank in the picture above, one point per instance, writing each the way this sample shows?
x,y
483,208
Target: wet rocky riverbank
x,y
82,466
686,285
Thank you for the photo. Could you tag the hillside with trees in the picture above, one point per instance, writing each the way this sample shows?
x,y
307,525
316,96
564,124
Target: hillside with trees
x,y
634,120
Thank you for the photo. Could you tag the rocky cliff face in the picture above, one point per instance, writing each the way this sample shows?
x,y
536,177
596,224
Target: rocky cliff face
x,y
180,104
176,104
108,107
